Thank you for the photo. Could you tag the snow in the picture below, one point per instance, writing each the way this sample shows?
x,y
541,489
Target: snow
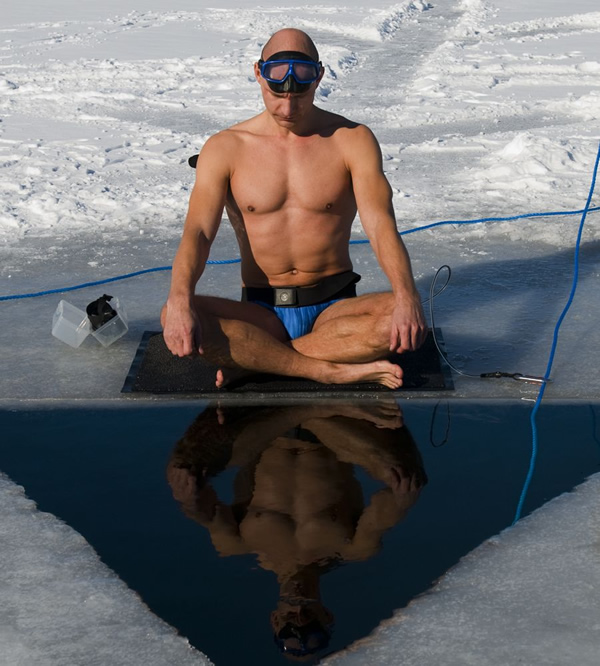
x,y
527,596
483,108
62,605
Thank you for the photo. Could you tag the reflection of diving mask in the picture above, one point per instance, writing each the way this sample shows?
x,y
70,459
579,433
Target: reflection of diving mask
x,y
300,641
289,71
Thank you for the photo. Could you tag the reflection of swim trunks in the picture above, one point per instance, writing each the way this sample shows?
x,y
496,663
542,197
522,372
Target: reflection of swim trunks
x,y
298,307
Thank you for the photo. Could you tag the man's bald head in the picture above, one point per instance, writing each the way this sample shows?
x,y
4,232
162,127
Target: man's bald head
x,y
290,39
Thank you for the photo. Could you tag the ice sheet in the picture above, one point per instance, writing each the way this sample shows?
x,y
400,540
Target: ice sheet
x,y
62,605
526,596
482,110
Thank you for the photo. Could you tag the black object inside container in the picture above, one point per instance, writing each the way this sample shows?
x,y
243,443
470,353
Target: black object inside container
x,y
99,312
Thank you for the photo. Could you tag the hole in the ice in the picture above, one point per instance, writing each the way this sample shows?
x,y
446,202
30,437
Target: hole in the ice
x,y
310,523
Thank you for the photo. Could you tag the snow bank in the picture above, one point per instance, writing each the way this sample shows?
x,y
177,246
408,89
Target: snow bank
x,y
529,595
61,605
102,109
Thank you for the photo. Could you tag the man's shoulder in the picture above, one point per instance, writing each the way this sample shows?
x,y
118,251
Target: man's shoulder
x,y
245,128
224,137
222,149
339,126
355,142
233,136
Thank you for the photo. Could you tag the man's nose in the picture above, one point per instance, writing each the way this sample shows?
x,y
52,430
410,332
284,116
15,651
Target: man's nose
x,y
288,104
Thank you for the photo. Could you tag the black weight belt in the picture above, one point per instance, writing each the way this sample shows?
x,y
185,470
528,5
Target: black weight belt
x,y
342,285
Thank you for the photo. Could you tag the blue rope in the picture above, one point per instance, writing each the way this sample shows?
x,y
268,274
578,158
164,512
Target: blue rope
x,y
483,219
536,407
497,219
61,290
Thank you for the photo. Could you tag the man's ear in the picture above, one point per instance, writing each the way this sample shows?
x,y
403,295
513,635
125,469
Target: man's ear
x,y
322,74
257,71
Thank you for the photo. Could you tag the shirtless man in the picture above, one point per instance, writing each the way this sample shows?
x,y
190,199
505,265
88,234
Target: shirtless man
x,y
292,180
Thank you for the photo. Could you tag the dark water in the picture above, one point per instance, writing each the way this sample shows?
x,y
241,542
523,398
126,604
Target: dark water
x,y
323,519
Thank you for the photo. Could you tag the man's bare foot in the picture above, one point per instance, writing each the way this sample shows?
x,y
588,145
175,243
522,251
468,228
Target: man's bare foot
x,y
384,413
227,376
379,372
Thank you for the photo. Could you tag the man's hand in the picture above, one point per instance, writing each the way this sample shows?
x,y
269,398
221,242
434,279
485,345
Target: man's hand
x,y
183,484
197,498
406,484
181,330
408,326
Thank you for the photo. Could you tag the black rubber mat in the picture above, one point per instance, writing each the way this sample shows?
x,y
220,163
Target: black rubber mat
x,y
155,370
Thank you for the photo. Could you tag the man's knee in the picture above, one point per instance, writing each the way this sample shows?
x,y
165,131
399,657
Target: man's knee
x,y
379,313
381,327
372,321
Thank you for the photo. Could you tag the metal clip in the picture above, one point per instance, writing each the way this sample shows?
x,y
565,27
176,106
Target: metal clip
x,y
515,375
531,379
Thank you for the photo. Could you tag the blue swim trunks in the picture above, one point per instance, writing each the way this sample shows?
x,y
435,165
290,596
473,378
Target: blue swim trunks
x,y
298,307
298,321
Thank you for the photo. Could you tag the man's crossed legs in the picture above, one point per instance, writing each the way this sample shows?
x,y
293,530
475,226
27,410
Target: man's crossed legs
x,y
347,344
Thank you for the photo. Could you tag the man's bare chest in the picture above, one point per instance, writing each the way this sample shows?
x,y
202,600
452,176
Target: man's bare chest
x,y
269,177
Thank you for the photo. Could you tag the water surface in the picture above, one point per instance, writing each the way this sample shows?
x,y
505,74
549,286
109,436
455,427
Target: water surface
x,y
311,523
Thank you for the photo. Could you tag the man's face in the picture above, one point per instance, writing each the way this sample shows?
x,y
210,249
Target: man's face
x,y
287,108
301,629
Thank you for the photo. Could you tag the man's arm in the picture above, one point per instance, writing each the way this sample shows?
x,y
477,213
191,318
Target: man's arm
x,y
374,201
180,323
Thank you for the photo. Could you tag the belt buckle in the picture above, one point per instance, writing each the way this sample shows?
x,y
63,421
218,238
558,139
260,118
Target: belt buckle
x,y
285,296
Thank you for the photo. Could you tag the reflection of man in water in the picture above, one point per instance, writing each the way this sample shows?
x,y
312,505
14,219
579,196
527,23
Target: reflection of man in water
x,y
297,504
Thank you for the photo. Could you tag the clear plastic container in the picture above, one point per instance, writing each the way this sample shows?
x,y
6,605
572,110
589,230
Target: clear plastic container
x,y
70,324
115,328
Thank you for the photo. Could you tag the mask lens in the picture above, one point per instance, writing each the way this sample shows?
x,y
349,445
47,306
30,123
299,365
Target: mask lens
x,y
276,71
305,72
302,640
